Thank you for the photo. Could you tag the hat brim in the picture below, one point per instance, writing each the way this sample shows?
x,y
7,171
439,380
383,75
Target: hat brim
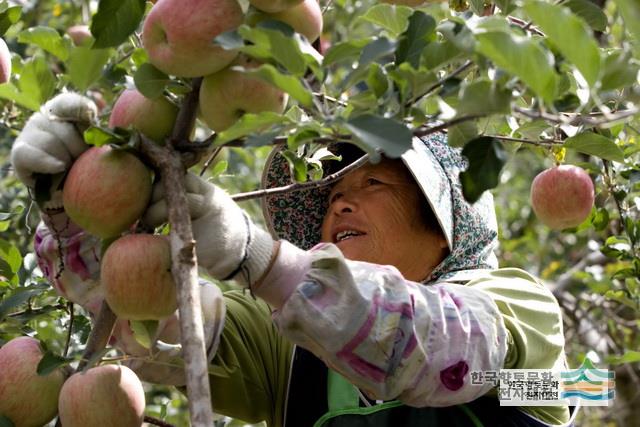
x,y
297,216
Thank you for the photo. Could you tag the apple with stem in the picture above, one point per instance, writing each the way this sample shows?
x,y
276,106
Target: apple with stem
x,y
178,35
562,196
228,94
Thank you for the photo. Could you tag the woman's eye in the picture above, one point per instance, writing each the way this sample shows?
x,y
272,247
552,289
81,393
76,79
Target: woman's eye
x,y
373,181
335,196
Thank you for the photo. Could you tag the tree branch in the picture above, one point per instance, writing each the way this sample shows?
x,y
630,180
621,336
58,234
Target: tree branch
x,y
156,422
594,120
183,259
301,186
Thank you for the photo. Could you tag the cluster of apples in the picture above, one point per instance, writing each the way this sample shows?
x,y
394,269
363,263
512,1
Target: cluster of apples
x,y
178,36
106,396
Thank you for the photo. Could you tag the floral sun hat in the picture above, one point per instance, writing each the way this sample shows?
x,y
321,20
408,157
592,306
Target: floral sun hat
x,y
470,230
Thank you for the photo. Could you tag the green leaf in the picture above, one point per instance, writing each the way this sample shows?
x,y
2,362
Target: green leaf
x,y
439,53
377,80
486,158
484,97
290,84
6,422
144,331
10,92
37,82
506,6
394,19
590,12
8,17
291,51
533,129
595,145
98,136
11,255
85,65
415,39
629,356
630,11
459,135
115,21
345,51
47,39
18,298
50,362
150,81
619,70
247,124
377,49
379,133
298,166
477,6
522,57
570,35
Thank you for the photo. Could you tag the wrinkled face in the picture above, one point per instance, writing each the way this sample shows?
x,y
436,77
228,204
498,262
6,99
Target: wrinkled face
x,y
374,216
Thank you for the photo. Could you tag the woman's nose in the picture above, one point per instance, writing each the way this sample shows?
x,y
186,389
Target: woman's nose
x,y
345,202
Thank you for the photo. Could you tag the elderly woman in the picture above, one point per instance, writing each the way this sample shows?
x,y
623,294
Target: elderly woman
x,y
378,297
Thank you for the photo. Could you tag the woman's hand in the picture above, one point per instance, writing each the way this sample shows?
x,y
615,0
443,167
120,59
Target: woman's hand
x,y
228,244
52,138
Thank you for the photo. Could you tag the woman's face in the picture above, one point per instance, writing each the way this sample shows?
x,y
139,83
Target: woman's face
x,y
374,216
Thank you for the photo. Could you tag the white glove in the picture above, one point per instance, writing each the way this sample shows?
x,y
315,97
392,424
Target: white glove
x,y
52,138
228,244
163,363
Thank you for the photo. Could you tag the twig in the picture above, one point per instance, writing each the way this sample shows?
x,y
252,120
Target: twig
x,y
216,152
439,83
156,422
71,310
100,334
38,311
543,142
593,120
526,26
562,282
301,186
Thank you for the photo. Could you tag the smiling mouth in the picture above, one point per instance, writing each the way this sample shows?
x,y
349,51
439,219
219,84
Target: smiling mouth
x,y
346,235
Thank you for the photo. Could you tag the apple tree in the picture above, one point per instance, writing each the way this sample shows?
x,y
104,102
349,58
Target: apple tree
x,y
521,87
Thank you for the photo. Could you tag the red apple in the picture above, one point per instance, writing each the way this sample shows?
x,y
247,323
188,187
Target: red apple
x,y
5,62
305,18
178,35
106,191
26,398
105,396
562,196
153,117
136,277
79,34
226,95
